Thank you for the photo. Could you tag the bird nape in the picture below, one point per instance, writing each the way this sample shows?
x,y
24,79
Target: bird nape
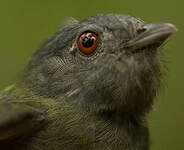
x,y
88,87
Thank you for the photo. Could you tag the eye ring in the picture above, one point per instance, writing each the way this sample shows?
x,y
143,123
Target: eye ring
x,y
88,42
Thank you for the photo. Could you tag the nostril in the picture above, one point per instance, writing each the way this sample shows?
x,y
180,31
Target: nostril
x,y
142,29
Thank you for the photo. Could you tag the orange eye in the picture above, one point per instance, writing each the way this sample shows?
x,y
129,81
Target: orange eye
x,y
88,42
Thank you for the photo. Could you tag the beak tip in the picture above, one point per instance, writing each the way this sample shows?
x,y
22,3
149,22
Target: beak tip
x,y
171,27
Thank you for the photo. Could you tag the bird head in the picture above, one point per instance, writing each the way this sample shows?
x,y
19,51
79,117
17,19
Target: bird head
x,y
106,63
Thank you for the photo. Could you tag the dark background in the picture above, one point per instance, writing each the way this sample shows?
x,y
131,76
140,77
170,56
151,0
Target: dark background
x,y
25,24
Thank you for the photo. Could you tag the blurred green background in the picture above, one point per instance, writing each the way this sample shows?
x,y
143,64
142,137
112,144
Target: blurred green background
x,y
25,24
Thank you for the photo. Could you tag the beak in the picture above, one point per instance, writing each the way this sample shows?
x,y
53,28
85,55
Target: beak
x,y
151,34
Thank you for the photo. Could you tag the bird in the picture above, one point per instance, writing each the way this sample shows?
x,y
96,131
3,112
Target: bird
x,y
88,87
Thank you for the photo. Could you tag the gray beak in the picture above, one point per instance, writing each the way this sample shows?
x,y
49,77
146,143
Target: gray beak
x,y
151,34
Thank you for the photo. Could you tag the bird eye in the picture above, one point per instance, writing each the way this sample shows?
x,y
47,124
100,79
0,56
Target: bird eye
x,y
88,42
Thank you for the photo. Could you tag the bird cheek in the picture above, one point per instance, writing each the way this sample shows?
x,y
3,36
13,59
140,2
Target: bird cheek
x,y
120,67
124,63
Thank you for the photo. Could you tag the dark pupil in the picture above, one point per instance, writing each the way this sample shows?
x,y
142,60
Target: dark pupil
x,y
87,42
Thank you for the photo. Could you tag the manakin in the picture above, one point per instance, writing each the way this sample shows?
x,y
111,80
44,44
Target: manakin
x,y
88,87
